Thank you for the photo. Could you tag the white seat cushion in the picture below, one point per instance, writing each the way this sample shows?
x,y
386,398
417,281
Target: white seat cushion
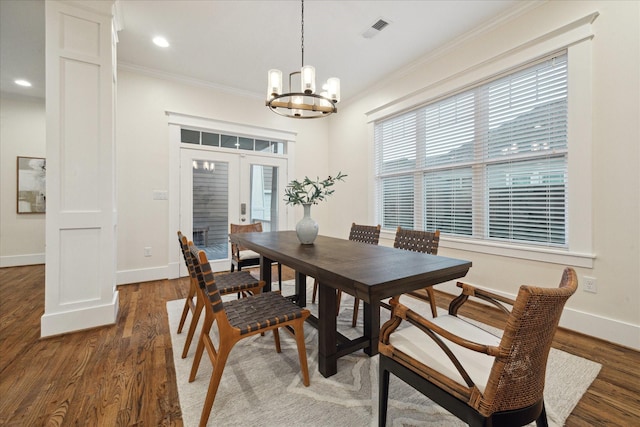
x,y
248,254
415,343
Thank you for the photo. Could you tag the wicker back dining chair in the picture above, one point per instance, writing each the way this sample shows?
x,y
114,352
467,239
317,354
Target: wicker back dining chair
x,y
359,233
420,241
482,379
239,282
365,233
243,257
239,319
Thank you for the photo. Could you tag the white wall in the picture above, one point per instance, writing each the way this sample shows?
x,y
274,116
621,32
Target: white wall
x,y
143,156
22,133
614,312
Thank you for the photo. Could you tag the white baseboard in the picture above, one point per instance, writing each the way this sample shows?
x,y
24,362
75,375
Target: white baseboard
x,y
124,277
604,328
174,270
19,260
79,319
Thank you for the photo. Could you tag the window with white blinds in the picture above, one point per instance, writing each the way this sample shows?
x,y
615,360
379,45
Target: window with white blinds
x,y
489,162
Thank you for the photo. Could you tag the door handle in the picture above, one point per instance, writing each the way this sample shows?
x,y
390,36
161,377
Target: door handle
x,y
243,209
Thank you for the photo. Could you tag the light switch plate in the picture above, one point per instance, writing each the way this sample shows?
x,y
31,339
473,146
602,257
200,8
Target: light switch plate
x,y
160,194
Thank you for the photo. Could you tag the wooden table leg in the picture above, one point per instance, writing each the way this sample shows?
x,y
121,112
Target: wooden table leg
x,y
265,272
301,289
372,326
327,331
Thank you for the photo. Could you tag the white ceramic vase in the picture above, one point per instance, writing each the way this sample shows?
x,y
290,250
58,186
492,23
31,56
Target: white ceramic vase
x,y
307,227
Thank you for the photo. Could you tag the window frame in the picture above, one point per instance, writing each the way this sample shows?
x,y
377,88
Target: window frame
x,y
575,38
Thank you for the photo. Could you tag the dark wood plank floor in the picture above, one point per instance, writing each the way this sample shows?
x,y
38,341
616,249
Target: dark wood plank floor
x,y
123,375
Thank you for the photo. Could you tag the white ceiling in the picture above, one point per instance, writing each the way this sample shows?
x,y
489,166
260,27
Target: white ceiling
x,y
232,44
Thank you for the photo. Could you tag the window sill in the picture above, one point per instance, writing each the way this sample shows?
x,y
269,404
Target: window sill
x,y
555,256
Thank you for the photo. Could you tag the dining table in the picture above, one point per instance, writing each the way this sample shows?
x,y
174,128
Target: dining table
x,y
368,272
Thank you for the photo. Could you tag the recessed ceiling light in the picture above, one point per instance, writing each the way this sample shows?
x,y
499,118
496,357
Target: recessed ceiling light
x,y
161,41
22,82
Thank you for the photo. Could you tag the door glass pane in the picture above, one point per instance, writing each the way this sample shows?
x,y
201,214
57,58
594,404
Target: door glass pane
x,y
264,196
262,145
190,136
229,141
210,207
245,143
278,147
211,139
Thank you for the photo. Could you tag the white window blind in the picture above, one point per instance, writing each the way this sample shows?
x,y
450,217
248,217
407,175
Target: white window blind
x,y
489,162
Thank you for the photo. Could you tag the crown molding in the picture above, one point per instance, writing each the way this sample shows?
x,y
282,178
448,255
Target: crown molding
x,y
125,66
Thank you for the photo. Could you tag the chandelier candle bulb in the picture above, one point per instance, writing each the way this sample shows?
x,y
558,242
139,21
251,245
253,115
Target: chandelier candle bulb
x,y
297,102
308,79
275,83
333,87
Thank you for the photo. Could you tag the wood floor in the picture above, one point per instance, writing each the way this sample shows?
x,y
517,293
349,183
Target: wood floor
x,y
123,375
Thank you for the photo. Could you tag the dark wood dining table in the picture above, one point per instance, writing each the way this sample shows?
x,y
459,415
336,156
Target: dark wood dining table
x,y
369,272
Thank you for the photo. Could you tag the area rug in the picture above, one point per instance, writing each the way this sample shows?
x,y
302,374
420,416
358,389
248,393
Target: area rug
x,y
260,387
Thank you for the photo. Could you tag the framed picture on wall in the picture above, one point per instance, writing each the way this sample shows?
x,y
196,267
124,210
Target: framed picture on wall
x,y
32,187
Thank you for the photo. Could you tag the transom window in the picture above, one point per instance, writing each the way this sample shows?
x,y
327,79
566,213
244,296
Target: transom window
x,y
489,162
234,142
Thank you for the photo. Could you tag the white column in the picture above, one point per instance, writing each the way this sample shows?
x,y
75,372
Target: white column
x,y
81,214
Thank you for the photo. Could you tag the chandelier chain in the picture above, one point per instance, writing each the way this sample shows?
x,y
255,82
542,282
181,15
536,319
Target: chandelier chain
x,y
302,32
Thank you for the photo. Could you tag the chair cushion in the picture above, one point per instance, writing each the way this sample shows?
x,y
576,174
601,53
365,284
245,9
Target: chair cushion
x,y
416,344
248,254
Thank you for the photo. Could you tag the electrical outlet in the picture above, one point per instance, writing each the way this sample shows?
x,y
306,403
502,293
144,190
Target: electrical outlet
x,y
589,285
147,251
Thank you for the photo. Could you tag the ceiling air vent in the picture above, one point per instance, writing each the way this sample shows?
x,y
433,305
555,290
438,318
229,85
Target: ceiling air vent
x,y
377,26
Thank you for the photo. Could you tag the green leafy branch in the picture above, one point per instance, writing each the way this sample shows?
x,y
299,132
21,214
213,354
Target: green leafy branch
x,y
310,192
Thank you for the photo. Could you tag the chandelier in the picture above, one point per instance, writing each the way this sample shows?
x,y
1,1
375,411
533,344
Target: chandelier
x,y
307,103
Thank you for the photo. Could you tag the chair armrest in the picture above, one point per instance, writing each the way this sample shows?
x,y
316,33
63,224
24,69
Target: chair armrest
x,y
468,290
427,326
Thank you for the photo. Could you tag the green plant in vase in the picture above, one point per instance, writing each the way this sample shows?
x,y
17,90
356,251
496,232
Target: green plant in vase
x,y
310,192
306,193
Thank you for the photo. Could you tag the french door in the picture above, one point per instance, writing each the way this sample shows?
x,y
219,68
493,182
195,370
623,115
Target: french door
x,y
220,188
